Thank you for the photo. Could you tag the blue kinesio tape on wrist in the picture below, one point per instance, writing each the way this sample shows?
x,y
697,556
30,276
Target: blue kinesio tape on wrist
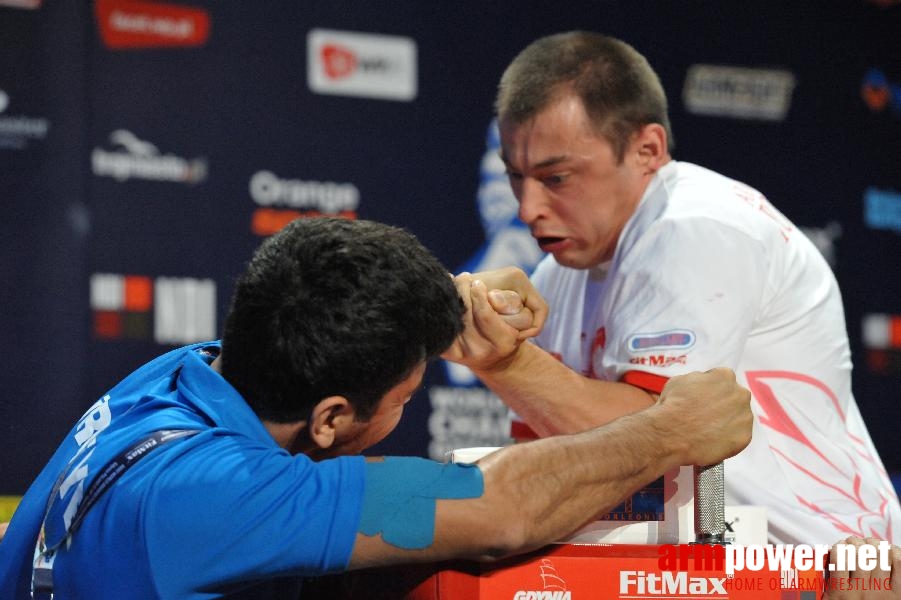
x,y
400,496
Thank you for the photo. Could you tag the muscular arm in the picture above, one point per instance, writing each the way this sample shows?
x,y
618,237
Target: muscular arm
x,y
545,393
538,492
554,399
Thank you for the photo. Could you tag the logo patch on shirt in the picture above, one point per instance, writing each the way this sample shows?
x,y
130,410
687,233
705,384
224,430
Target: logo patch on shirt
x,y
672,339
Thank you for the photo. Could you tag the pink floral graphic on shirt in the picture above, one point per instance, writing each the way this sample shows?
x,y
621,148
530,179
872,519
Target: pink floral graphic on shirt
x,y
833,466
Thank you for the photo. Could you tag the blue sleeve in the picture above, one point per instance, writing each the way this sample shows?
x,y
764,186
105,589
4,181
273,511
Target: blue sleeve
x,y
231,513
17,547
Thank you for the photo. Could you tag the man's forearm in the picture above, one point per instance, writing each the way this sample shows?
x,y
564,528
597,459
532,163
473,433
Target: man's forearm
x,y
537,492
546,489
553,486
554,399
534,494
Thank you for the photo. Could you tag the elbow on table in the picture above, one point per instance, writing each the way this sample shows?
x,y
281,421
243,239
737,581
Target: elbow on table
x,y
503,538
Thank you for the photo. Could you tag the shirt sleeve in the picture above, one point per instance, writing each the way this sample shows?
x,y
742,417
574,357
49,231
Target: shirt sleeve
x,y
684,299
234,512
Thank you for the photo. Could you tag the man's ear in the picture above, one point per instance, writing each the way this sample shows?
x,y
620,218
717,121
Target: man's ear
x,y
650,145
330,416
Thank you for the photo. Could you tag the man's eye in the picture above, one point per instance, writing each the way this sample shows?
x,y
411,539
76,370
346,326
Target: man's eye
x,y
552,180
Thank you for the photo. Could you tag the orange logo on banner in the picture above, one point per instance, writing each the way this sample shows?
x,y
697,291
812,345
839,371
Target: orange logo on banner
x,y
135,24
267,221
138,293
877,98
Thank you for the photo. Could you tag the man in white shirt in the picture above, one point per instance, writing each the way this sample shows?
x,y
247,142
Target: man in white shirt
x,y
658,267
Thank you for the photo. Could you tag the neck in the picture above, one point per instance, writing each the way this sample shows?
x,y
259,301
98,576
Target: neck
x,y
290,436
286,435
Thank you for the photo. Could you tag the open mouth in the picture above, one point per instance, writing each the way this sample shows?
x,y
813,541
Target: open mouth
x,y
549,241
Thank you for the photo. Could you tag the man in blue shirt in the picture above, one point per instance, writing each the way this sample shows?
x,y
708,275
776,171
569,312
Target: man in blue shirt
x,y
230,468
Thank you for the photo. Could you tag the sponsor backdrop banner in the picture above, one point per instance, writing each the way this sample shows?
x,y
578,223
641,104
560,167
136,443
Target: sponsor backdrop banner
x,y
147,147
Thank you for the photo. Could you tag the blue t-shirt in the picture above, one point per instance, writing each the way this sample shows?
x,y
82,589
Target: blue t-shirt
x,y
200,516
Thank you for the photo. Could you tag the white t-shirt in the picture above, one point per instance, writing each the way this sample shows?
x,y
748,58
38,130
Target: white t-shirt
x,y
708,273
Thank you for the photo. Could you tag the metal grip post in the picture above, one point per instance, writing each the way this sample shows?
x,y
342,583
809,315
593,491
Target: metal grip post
x,y
710,517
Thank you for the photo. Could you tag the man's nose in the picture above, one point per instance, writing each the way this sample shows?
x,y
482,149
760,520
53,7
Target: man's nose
x,y
532,201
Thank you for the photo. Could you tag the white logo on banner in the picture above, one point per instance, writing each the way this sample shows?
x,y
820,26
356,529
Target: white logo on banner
x,y
345,63
107,291
17,130
669,584
142,160
328,197
184,311
877,330
184,308
738,92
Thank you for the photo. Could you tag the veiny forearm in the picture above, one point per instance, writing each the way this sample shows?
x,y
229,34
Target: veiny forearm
x,y
539,492
554,399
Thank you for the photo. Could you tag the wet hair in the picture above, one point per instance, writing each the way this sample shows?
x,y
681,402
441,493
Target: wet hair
x,y
332,306
619,89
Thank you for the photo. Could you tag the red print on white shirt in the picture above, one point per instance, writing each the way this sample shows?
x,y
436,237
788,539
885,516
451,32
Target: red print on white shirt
x,y
831,470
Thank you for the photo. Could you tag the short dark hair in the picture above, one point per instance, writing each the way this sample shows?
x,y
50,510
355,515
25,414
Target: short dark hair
x,y
332,306
619,89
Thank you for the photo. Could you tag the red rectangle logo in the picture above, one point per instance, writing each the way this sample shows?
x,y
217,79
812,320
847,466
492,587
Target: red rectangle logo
x,y
134,24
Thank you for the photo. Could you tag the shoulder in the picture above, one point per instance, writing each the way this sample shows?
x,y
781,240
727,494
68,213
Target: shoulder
x,y
166,364
702,200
